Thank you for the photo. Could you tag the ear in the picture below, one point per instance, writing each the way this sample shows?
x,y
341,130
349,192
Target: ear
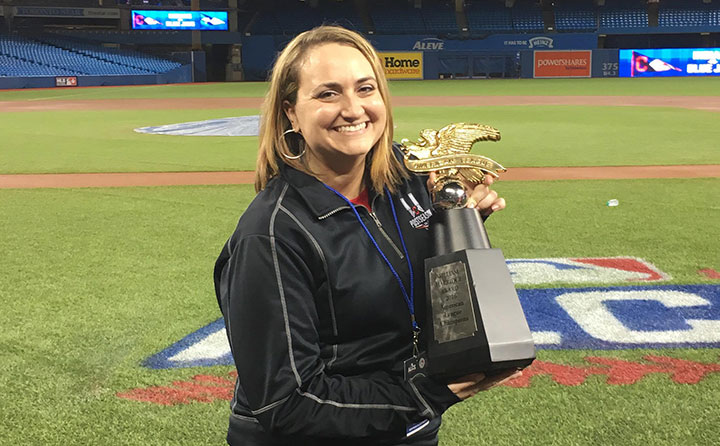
x,y
289,110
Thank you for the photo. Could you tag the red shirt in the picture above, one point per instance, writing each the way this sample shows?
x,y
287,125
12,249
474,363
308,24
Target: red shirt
x,y
362,199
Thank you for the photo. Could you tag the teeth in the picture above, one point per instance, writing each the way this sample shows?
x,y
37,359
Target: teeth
x,y
351,128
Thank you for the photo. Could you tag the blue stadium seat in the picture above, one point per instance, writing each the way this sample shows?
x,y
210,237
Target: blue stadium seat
x,y
527,16
392,17
575,16
624,18
53,56
439,17
297,17
488,17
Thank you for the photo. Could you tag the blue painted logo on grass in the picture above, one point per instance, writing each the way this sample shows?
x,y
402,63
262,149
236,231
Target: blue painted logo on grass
x,y
204,347
560,318
624,317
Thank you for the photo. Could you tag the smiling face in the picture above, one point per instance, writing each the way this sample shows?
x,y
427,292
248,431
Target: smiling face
x,y
339,109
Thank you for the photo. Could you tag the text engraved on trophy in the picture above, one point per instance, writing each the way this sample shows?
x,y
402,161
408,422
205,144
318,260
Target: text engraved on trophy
x,y
453,314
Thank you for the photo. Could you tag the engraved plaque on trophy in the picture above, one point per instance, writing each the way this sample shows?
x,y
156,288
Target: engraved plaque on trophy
x,y
474,319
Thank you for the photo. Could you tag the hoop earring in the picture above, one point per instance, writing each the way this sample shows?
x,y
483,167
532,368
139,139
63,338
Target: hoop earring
x,y
298,156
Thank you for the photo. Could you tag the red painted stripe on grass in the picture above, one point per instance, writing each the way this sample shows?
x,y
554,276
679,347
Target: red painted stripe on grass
x,y
209,388
624,264
710,273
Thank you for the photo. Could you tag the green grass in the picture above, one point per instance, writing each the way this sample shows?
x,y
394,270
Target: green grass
x,y
495,87
671,223
580,136
92,281
560,87
77,141
653,411
90,141
208,90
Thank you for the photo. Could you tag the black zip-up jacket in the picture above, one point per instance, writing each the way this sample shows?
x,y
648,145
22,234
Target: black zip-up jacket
x,y
317,323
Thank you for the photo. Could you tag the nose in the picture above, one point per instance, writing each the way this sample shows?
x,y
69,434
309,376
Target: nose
x,y
352,107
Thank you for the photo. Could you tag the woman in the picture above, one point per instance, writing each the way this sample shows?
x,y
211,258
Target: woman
x,y
318,292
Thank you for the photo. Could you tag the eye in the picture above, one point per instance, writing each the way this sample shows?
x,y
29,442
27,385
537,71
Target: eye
x,y
367,88
326,94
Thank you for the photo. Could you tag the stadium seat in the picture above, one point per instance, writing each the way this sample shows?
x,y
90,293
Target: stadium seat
x,y
54,56
488,18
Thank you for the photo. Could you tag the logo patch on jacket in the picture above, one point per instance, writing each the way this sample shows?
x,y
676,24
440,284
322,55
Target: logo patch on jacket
x,y
419,216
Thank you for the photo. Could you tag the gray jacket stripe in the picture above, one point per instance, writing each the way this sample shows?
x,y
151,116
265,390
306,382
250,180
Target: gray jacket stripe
x,y
234,402
244,418
270,406
334,356
280,286
428,409
324,262
357,406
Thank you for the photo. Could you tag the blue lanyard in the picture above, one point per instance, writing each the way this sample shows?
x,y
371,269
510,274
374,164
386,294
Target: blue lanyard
x,y
409,299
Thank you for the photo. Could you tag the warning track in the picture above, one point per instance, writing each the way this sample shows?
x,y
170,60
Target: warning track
x,y
708,103
68,180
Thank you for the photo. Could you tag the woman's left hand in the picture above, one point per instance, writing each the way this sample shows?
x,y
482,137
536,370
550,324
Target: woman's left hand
x,y
482,197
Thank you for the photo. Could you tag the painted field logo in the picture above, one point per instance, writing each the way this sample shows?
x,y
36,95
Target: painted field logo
x,y
617,372
583,270
668,316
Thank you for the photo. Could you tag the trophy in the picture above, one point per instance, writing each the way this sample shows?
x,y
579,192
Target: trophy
x,y
474,319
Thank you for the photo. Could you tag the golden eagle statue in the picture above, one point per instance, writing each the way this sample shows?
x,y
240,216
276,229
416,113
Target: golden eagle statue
x,y
447,151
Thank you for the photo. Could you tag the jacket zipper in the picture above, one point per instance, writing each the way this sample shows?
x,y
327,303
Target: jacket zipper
x,y
377,223
333,212
387,237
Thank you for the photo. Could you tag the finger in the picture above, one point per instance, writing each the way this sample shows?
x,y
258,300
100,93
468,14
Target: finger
x,y
498,205
472,378
432,178
479,192
500,379
487,201
488,180
466,386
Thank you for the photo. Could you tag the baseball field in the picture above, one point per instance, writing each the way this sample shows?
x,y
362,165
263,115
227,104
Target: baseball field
x,y
624,300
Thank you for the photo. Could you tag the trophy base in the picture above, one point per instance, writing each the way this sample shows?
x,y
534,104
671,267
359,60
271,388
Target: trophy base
x,y
475,323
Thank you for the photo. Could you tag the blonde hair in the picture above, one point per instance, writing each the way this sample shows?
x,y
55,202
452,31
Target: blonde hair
x,y
384,168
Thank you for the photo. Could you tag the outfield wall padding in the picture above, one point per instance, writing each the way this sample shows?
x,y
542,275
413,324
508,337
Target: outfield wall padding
x,y
178,75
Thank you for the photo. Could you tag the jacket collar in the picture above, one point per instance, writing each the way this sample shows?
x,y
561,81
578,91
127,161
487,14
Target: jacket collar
x,y
318,198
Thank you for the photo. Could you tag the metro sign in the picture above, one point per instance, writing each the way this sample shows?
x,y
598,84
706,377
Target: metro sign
x,y
611,318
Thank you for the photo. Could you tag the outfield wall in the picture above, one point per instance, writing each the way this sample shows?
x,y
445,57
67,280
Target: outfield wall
x,y
497,56
183,74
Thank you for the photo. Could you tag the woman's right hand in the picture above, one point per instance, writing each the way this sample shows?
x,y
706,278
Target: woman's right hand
x,y
469,385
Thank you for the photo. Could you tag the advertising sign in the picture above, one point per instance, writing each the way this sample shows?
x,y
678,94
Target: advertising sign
x,y
190,20
562,63
670,62
408,65
66,81
422,42
44,11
